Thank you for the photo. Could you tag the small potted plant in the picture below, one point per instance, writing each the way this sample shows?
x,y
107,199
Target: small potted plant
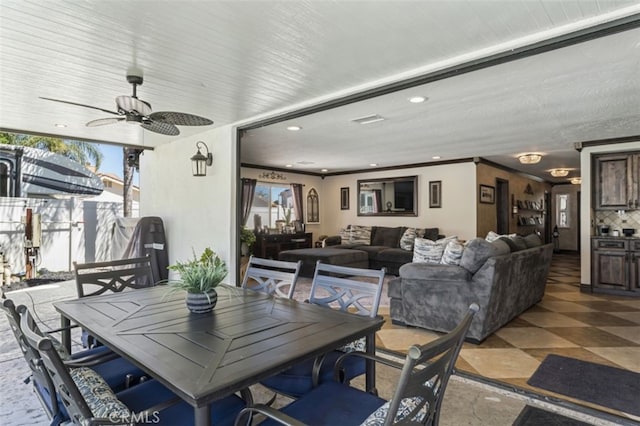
x,y
200,277
247,238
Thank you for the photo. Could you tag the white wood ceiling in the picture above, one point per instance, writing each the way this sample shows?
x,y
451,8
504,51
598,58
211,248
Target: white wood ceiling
x,y
234,60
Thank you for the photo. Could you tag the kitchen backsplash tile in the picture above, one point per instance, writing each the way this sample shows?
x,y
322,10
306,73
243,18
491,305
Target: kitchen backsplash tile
x,y
617,221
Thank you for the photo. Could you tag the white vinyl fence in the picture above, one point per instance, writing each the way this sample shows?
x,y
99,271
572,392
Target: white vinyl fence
x,y
72,230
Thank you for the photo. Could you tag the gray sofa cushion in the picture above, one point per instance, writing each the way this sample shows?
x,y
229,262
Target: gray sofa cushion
x,y
519,242
532,240
508,241
477,251
431,233
372,251
385,236
394,255
428,271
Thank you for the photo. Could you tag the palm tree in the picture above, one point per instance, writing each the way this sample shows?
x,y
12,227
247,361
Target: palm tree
x,y
82,152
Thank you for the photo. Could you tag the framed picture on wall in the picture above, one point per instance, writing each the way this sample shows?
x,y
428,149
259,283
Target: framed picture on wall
x,y
344,198
435,194
487,194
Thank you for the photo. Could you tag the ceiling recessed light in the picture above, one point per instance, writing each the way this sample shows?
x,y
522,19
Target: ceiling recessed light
x,y
324,170
288,165
294,128
417,99
373,164
436,157
62,126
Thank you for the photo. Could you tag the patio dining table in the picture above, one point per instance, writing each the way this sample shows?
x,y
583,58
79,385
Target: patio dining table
x,y
248,337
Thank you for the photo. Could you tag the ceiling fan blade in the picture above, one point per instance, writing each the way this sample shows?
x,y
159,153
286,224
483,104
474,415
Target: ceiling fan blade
x,y
80,105
103,121
162,128
129,103
180,118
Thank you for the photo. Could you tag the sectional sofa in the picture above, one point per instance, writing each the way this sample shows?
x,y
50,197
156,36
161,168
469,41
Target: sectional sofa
x,y
504,277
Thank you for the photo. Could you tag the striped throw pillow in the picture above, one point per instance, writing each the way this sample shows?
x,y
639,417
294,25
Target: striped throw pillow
x,y
427,251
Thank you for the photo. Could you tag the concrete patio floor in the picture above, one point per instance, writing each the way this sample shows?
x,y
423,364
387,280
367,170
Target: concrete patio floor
x,y
467,401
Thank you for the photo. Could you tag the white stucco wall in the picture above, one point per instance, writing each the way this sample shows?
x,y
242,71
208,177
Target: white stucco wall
x,y
197,212
586,210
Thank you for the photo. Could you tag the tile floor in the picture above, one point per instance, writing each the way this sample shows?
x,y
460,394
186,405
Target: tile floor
x,y
594,327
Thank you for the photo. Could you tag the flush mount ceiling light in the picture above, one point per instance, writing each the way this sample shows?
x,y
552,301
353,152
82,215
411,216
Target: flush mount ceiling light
x,y
530,158
559,172
576,180
294,128
436,157
60,125
373,165
288,165
324,170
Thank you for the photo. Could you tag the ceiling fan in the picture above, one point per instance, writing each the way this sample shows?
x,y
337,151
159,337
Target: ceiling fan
x,y
134,110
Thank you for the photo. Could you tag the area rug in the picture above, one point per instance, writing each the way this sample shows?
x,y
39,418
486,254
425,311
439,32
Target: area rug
x,y
609,387
533,416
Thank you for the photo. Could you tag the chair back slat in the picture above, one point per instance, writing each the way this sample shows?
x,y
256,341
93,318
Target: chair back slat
x,y
425,376
50,360
275,277
347,288
39,375
96,278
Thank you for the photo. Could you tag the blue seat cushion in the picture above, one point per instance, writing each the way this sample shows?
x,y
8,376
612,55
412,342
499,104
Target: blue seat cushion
x,y
148,394
332,404
297,380
114,372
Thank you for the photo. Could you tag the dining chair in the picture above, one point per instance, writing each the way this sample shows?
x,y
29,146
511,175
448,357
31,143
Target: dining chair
x,y
93,279
117,372
347,289
274,277
416,400
88,399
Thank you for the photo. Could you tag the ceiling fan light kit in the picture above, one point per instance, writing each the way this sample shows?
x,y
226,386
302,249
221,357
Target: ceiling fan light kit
x,y
530,158
136,111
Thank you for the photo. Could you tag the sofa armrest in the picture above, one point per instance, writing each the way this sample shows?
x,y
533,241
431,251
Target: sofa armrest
x,y
434,272
333,240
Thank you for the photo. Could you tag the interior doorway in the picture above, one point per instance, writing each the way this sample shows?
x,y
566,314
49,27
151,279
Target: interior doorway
x,y
502,206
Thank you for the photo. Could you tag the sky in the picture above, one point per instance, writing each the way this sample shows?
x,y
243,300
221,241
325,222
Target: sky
x,y
112,161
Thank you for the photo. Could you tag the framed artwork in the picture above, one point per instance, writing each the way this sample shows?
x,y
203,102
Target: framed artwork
x,y
313,206
435,194
487,194
344,198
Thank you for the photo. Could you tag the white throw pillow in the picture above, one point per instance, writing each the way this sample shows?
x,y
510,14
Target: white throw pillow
x,y
427,251
492,236
408,238
452,253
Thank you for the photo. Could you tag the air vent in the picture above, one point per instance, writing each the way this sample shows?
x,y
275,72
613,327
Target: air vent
x,y
368,119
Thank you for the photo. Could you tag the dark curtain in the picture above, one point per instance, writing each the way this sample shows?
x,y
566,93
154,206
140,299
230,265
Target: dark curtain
x,y
248,190
377,200
296,188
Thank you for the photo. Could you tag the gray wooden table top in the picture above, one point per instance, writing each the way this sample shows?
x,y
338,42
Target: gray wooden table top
x,y
202,357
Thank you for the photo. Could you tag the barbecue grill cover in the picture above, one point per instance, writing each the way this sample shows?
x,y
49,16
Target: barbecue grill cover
x,y
149,239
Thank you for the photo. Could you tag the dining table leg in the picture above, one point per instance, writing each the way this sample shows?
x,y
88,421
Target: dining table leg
x,y
202,415
370,375
65,337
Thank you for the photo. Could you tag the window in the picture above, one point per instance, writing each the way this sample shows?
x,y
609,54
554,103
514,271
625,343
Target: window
x,y
562,211
271,202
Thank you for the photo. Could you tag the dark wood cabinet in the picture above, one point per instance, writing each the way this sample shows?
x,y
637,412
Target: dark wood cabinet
x,y
617,181
615,264
268,246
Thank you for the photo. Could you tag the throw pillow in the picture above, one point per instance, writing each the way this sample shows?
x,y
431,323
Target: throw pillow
x,y
476,253
345,235
98,395
408,238
361,235
452,253
533,240
356,345
427,251
406,407
386,236
492,236
429,233
519,242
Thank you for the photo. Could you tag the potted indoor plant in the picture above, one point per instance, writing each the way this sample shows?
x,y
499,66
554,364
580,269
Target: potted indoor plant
x,y
247,238
200,277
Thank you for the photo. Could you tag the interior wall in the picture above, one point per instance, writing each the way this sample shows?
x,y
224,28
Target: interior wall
x,y
455,217
487,218
197,212
568,237
587,213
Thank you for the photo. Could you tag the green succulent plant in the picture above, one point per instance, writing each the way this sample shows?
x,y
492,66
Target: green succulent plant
x,y
201,274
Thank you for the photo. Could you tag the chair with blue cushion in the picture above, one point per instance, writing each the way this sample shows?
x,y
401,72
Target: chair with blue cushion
x,y
416,400
347,289
274,277
96,278
89,400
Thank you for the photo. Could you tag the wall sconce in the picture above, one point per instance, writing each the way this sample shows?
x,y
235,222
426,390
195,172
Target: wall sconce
x,y
559,172
199,162
514,206
530,158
